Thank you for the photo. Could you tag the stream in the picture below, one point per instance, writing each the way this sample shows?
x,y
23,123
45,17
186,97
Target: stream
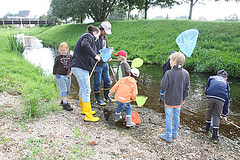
x,y
192,112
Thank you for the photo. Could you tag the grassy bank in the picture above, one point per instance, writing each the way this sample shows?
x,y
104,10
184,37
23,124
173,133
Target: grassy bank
x,y
20,77
153,40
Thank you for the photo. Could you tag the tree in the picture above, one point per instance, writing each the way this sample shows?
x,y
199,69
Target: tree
x,y
59,9
99,10
117,15
193,2
232,18
128,5
9,14
146,4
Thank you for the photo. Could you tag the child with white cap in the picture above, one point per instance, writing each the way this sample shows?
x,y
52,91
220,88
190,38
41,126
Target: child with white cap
x,y
125,90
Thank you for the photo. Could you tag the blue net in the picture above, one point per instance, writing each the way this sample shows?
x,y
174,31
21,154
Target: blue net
x,y
187,40
106,54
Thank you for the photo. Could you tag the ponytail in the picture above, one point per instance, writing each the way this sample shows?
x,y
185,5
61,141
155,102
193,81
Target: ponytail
x,y
92,28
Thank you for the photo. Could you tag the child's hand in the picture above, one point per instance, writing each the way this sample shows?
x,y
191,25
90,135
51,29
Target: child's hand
x,y
109,59
70,74
224,118
54,78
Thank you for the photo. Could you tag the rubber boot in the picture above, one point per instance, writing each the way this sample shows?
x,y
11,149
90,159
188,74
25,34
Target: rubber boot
x,y
98,99
88,113
106,97
208,126
215,135
67,107
117,117
83,109
129,121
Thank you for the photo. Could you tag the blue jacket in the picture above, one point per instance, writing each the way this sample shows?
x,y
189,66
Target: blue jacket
x,y
84,52
217,87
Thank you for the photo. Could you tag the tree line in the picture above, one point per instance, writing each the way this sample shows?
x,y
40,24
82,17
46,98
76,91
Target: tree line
x,y
99,10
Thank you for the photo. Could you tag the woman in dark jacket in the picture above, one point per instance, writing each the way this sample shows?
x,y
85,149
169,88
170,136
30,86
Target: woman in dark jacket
x,y
84,58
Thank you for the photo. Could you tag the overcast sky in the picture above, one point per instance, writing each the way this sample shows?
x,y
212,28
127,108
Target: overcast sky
x,y
211,11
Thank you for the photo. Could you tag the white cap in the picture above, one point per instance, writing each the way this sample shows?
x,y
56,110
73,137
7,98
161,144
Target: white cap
x,y
106,26
135,72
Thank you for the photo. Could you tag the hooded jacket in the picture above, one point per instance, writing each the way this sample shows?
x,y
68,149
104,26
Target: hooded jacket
x,y
217,87
126,89
84,52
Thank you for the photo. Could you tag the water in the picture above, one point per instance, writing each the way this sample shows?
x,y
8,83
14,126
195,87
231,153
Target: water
x,y
192,112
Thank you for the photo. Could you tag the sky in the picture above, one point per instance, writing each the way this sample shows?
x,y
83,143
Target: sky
x,y
211,10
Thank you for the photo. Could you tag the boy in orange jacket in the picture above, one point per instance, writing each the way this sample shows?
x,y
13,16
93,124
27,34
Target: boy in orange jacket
x,y
126,89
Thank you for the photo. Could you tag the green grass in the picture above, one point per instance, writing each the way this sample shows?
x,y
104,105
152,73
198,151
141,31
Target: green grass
x,y
153,40
18,76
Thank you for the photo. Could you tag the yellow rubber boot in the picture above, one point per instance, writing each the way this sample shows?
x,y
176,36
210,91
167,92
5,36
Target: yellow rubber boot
x,y
83,109
88,113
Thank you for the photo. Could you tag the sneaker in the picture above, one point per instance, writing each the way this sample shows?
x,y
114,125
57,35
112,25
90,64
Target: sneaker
x,y
61,102
164,137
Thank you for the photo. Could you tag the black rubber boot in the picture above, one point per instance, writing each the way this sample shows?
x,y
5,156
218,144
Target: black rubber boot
x,y
98,99
215,135
208,126
67,107
106,97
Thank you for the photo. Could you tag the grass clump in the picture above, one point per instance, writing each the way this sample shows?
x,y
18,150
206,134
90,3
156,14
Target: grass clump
x,y
18,76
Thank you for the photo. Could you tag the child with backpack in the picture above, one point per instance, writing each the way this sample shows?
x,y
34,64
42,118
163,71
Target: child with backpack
x,y
62,74
125,90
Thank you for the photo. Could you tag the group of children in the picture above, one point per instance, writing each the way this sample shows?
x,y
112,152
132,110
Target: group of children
x,y
174,90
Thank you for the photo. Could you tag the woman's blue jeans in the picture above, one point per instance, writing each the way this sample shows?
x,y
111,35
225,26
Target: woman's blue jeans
x,y
83,82
127,107
101,72
172,114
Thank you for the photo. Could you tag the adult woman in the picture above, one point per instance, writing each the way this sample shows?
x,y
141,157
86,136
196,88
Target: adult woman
x,y
84,58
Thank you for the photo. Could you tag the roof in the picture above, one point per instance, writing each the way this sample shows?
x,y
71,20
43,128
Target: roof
x,y
23,13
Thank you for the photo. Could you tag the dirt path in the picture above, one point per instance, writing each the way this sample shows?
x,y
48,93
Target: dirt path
x,y
64,135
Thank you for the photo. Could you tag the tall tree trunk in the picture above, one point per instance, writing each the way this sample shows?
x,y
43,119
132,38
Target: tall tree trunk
x,y
81,19
128,12
190,12
146,9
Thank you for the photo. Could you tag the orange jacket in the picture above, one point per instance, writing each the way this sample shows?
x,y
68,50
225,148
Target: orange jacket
x,y
126,89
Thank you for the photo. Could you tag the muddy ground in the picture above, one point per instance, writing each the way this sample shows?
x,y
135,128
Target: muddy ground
x,y
64,135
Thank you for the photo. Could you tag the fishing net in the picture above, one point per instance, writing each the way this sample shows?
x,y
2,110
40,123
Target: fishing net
x,y
187,40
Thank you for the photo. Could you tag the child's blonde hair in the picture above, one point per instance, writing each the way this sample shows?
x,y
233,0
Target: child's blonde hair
x,y
63,45
178,58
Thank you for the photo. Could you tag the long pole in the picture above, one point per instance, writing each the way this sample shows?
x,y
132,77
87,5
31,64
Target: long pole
x,y
92,72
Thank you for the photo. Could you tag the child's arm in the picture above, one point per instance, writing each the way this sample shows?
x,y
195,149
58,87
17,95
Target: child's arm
x,y
164,82
134,93
226,104
114,88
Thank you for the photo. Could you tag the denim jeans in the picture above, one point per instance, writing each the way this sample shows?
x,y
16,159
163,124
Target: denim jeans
x,y
127,107
101,72
83,78
172,114
63,83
